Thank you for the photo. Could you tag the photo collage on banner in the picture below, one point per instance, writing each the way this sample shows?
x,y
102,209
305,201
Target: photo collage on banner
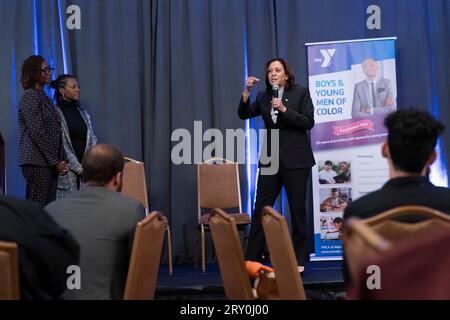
x,y
353,87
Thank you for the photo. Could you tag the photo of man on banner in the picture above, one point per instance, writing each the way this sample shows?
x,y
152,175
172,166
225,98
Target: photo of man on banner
x,y
373,95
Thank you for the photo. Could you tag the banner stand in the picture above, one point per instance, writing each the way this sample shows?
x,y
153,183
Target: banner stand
x,y
353,87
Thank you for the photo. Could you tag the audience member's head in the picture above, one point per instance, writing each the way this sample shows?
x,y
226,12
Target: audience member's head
x,y
412,137
103,166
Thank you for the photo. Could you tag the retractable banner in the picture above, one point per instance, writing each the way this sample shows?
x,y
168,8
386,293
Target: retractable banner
x,y
353,87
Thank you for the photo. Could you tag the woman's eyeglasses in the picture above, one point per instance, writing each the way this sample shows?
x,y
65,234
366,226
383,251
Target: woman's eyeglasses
x,y
47,70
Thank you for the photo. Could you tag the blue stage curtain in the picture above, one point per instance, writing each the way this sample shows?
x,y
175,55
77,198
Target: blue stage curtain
x,y
148,67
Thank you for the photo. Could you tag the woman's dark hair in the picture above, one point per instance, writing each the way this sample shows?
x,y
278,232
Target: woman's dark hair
x,y
60,82
31,71
290,82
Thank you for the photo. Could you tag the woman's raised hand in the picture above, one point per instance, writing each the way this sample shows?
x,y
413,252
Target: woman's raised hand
x,y
250,82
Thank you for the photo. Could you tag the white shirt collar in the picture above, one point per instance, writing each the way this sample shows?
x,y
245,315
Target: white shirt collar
x,y
370,81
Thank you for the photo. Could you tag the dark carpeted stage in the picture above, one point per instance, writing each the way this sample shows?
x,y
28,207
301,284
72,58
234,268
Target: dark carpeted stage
x,y
322,281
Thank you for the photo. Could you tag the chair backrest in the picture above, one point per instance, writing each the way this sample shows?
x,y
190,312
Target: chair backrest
x,y
385,225
218,185
134,183
282,256
234,274
361,243
9,274
365,239
145,258
404,265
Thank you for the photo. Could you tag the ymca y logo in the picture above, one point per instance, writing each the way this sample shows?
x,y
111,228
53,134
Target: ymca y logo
x,y
327,55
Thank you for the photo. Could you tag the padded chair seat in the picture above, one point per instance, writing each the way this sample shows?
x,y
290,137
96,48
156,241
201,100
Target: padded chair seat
x,y
240,218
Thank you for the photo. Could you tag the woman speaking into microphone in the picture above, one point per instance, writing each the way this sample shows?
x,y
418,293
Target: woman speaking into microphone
x,y
285,106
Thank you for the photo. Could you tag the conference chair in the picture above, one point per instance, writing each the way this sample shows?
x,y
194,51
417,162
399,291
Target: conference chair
x,y
282,255
218,187
145,258
403,260
135,186
9,274
361,244
365,239
235,279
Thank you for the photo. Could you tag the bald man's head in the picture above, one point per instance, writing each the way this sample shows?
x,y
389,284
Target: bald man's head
x,y
101,164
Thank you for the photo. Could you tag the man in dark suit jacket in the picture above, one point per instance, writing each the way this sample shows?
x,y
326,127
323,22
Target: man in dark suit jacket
x,y
292,116
103,221
412,137
45,249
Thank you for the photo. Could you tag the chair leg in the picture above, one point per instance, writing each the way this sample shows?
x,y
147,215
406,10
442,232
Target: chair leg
x,y
169,245
203,250
213,253
196,251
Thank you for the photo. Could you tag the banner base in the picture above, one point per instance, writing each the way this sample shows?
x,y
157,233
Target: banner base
x,y
312,257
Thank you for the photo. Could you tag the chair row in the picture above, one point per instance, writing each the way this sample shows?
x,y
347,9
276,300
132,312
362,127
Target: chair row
x,y
142,271
217,187
232,266
404,251
135,186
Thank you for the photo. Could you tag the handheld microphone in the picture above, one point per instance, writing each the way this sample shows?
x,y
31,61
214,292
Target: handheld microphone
x,y
275,90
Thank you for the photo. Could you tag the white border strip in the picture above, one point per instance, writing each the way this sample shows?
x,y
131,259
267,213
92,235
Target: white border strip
x,y
312,257
346,41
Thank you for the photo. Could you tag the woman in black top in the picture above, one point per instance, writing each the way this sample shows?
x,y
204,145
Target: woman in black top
x,y
78,134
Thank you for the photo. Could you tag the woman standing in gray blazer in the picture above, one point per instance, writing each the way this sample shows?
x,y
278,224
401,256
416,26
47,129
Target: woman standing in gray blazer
x,y
41,152
77,131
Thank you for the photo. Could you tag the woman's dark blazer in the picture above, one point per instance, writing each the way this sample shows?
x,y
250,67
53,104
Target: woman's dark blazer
x,y
293,125
40,133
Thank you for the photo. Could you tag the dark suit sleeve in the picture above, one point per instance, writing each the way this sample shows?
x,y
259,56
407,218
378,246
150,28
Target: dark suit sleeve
x,y
31,112
303,119
249,110
54,250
